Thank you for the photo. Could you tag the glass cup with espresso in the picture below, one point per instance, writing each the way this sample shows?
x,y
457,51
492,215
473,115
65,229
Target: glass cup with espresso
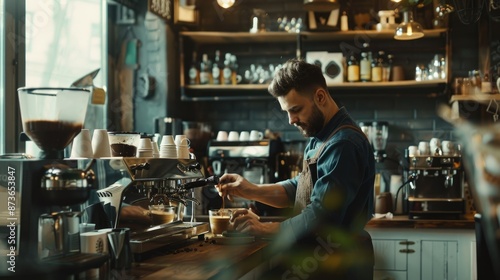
x,y
219,220
161,214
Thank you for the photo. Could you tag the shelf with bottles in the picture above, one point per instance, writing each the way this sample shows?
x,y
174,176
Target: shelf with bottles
x,y
276,47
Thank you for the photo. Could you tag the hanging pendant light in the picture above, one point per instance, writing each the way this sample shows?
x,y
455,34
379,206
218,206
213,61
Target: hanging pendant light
x,y
408,29
226,3
321,5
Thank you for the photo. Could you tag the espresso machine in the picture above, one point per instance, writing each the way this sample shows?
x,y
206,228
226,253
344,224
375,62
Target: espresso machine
x,y
168,185
434,185
42,196
254,160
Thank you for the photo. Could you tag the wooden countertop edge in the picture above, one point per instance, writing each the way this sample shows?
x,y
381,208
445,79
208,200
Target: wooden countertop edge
x,y
466,222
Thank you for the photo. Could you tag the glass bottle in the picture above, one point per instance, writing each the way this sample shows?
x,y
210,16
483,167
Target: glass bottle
x,y
376,69
194,74
234,69
365,68
205,73
216,69
352,69
226,71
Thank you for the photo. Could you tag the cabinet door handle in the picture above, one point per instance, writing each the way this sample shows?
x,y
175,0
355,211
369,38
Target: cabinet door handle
x,y
406,242
407,251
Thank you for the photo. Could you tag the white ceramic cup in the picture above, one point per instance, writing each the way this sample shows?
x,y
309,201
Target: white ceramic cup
x,y
244,136
82,145
434,144
222,136
233,136
256,135
413,151
423,148
448,147
183,152
167,140
100,143
181,140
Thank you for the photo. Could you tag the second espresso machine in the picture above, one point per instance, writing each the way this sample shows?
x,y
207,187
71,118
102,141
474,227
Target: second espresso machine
x,y
435,184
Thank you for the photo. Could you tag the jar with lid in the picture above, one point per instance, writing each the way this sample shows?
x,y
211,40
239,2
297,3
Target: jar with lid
x,y
352,69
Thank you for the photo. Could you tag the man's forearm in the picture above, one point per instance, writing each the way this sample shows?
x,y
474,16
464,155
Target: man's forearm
x,y
271,194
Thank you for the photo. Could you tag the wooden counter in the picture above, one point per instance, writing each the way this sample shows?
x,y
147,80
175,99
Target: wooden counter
x,y
206,259
465,222
201,259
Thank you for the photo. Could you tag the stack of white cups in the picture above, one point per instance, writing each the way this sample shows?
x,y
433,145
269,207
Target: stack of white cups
x,y
100,143
82,145
145,149
156,150
182,145
168,148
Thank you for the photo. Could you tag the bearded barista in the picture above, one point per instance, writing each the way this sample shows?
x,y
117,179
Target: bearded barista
x,y
332,196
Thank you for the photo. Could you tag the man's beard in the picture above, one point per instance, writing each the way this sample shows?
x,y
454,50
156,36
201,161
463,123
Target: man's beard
x,y
313,125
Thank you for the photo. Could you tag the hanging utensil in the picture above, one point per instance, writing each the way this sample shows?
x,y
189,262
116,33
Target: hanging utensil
x,y
98,95
469,11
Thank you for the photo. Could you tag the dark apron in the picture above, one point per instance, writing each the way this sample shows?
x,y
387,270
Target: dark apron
x,y
362,268
309,174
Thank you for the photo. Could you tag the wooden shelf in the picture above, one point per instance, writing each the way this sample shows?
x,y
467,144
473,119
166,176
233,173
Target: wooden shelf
x,y
478,98
214,37
408,83
259,91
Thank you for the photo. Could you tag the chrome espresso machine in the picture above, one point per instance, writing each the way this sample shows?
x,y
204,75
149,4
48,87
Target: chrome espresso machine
x,y
159,186
435,186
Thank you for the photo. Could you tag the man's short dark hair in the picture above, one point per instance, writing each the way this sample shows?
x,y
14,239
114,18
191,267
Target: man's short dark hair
x,y
299,75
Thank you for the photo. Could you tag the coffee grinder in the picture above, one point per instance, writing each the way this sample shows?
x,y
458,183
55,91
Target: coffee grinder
x,y
40,194
379,134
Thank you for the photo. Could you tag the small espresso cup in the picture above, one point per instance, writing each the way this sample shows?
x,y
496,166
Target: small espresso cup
x,y
222,136
448,147
233,136
423,148
256,135
244,136
434,144
181,140
413,151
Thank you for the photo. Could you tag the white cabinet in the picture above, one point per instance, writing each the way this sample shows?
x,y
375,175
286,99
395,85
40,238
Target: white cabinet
x,y
424,254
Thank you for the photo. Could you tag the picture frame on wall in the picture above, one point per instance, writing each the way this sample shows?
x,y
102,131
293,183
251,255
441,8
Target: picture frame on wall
x,y
161,8
185,12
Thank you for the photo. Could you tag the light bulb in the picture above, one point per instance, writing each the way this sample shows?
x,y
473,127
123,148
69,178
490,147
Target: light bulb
x,y
226,3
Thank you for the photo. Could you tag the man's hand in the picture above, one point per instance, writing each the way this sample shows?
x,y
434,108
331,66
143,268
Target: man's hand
x,y
244,220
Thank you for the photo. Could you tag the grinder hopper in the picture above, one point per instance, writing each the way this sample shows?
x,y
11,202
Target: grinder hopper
x,y
52,117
